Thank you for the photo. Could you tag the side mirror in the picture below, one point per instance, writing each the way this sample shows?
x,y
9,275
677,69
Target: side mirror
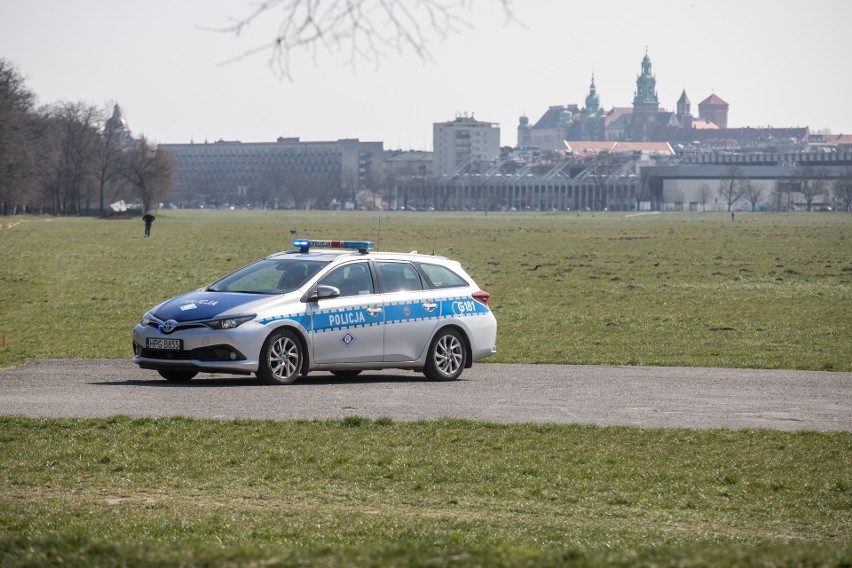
x,y
324,292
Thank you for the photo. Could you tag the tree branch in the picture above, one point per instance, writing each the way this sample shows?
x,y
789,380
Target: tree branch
x,y
366,28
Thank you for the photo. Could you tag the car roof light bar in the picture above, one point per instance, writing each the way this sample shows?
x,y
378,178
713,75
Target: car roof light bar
x,y
304,245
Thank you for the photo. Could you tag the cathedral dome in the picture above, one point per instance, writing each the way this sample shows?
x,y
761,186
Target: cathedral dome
x,y
117,121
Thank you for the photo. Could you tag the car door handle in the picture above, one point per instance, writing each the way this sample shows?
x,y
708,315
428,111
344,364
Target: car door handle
x,y
374,311
429,306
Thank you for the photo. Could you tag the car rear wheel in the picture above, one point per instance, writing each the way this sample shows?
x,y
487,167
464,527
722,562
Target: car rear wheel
x,y
447,356
178,376
280,359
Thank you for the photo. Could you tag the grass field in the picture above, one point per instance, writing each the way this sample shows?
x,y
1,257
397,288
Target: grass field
x,y
125,492
769,291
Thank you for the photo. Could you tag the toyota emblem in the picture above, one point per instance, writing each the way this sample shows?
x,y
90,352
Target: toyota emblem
x,y
169,326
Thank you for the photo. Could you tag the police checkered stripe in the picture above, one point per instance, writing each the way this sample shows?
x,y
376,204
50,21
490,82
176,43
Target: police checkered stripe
x,y
446,312
394,315
347,326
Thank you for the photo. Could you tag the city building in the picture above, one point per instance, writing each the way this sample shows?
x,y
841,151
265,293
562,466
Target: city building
x,y
638,157
407,174
464,145
285,173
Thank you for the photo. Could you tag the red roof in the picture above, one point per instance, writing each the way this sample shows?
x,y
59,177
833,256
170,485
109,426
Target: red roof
x,y
713,100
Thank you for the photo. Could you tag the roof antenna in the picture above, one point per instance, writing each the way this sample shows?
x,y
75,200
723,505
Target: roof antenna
x,y
434,239
379,235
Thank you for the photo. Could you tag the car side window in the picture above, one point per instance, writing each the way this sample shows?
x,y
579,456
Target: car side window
x,y
351,279
441,276
399,277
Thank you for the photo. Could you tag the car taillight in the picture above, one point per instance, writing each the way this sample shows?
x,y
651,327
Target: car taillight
x,y
482,297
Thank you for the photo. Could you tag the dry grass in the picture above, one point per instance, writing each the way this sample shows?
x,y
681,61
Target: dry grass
x,y
769,291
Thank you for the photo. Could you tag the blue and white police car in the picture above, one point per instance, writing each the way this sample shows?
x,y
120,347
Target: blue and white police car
x,y
321,308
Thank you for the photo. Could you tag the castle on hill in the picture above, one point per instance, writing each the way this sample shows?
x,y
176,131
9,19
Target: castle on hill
x,y
644,121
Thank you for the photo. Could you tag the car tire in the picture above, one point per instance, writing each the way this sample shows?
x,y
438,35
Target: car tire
x,y
447,356
346,374
178,376
280,359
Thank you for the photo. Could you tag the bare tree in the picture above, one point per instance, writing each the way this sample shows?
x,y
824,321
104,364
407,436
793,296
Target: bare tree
x,y
842,189
367,28
703,195
810,182
150,169
76,136
731,185
752,192
112,143
273,188
643,192
349,185
20,129
604,170
780,190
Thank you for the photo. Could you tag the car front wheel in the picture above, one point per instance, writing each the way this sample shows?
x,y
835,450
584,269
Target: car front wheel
x,y
447,355
280,359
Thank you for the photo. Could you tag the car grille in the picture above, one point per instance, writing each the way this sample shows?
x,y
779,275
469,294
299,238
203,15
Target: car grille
x,y
179,326
211,353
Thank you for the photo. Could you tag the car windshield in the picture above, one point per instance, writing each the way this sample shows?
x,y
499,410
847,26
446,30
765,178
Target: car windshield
x,y
269,276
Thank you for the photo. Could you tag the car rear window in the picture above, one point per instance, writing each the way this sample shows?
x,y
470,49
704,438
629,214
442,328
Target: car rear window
x,y
441,276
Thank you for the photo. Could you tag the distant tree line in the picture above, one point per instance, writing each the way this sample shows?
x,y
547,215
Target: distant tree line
x,y
64,159
806,185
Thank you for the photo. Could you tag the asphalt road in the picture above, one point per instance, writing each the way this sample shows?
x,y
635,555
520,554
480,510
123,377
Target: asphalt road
x,y
634,396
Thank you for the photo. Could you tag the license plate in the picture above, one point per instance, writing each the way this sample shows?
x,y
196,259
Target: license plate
x,y
167,344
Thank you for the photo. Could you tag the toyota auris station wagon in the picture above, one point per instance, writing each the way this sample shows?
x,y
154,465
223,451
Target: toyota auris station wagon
x,y
321,308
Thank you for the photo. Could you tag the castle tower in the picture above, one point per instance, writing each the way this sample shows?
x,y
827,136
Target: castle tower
x,y
714,109
684,115
593,116
646,85
646,106
524,137
593,102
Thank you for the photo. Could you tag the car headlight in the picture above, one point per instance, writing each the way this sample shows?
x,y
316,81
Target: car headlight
x,y
146,319
228,323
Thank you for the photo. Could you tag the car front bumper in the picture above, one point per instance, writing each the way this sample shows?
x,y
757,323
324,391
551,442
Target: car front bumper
x,y
234,350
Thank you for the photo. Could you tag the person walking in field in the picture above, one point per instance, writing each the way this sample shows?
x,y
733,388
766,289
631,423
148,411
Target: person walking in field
x,y
148,218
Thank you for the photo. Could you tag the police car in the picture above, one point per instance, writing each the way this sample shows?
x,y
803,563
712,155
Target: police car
x,y
318,307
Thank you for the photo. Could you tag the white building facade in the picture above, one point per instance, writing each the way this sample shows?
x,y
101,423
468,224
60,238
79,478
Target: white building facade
x,y
461,145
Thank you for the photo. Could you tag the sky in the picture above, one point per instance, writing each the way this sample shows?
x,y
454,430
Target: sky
x,y
777,63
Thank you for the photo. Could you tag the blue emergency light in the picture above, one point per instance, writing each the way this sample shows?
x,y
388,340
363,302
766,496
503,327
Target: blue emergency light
x,y
304,245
